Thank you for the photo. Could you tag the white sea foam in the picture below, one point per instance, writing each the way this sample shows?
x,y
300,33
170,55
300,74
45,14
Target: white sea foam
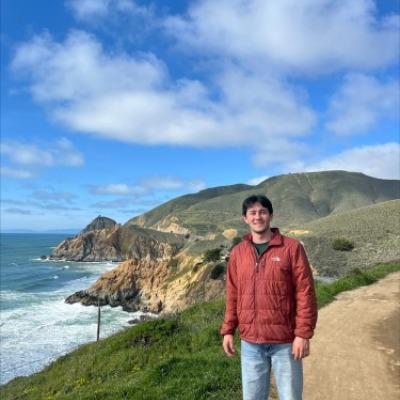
x,y
35,335
38,327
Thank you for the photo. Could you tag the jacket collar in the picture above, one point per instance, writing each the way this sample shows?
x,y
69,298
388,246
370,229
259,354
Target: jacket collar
x,y
276,238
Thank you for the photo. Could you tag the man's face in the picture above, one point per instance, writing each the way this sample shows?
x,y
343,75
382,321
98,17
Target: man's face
x,y
258,218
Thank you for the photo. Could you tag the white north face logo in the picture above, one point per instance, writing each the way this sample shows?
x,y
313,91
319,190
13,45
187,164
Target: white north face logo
x,y
276,259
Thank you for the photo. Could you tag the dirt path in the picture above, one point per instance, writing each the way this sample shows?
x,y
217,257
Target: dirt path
x,y
356,347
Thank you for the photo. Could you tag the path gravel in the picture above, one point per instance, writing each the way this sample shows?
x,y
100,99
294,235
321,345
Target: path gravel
x,y
355,353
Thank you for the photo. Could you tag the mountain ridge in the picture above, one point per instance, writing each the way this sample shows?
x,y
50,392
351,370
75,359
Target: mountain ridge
x,y
294,202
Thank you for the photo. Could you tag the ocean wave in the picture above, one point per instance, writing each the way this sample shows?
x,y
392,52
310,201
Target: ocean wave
x,y
34,336
37,326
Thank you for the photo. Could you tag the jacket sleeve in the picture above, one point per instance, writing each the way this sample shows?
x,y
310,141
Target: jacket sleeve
x,y
231,319
305,297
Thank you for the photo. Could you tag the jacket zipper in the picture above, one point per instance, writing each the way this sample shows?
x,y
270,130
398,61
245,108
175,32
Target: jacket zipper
x,y
258,256
255,291
257,259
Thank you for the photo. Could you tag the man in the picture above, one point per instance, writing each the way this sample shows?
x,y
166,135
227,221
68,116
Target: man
x,y
270,296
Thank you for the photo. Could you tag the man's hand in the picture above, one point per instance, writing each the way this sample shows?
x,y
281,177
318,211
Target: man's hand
x,y
300,348
228,345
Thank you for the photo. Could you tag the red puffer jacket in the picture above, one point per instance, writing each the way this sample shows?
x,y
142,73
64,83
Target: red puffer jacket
x,y
270,297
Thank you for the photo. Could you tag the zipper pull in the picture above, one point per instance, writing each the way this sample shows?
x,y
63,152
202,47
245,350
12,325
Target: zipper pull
x,y
257,266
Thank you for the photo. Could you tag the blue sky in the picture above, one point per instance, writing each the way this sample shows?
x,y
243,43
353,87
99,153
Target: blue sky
x,y
112,107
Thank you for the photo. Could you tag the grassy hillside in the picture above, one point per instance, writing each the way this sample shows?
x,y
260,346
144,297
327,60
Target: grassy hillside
x,y
374,230
175,206
297,199
174,358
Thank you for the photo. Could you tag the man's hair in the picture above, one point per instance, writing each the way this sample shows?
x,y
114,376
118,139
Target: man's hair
x,y
257,198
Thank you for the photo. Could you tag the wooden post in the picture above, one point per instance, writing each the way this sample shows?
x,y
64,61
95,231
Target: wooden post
x,y
98,317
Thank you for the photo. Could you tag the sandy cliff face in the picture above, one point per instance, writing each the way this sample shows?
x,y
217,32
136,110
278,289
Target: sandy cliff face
x,y
152,277
151,286
134,285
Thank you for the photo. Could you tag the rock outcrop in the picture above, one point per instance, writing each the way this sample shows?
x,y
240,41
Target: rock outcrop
x,y
118,244
133,285
98,245
100,223
152,286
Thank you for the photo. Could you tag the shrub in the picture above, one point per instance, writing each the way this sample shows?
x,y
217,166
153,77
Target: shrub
x,y
173,264
342,244
212,254
217,271
235,241
196,267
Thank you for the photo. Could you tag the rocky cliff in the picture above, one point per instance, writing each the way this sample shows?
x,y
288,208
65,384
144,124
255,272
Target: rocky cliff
x,y
155,274
118,243
153,285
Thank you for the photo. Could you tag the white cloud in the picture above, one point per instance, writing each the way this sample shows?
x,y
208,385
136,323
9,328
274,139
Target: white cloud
x,y
279,151
78,69
171,183
16,173
27,154
88,9
147,186
248,100
361,102
113,204
61,152
53,196
118,189
147,191
195,186
65,153
95,10
163,183
380,161
257,180
133,100
310,35
19,211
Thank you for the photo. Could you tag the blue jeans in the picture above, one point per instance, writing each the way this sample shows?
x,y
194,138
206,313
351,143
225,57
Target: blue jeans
x,y
257,359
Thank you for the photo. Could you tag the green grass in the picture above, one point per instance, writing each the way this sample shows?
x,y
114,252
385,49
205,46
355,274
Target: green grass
x,y
180,357
326,293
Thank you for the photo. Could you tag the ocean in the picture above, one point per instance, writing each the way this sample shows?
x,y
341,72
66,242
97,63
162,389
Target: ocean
x,y
36,325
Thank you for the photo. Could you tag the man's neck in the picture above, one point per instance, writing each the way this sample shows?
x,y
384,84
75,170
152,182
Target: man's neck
x,y
263,237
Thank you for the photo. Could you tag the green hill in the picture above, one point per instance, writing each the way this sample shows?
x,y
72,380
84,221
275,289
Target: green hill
x,y
297,199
